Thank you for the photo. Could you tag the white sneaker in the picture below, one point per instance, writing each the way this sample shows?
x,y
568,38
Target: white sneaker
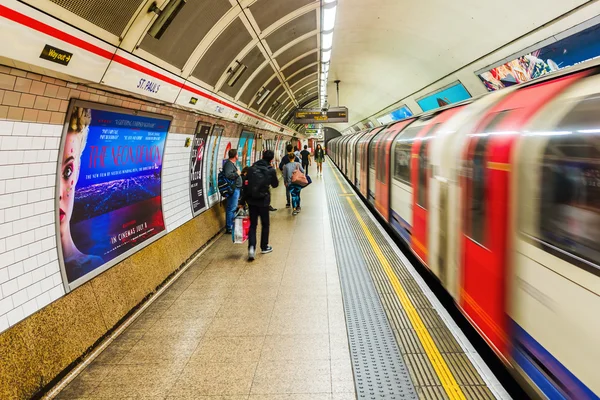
x,y
251,253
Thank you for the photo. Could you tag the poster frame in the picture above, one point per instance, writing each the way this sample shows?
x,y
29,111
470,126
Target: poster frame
x,y
108,265
441,89
209,204
202,169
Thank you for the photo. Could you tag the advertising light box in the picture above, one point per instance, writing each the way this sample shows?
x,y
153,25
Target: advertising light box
x,y
108,194
571,50
450,94
197,175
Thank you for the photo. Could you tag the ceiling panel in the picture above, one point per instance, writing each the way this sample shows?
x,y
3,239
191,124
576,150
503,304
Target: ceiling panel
x,y
272,85
258,81
271,99
188,28
292,30
297,50
304,81
267,12
222,53
273,110
301,63
301,92
110,15
252,60
302,74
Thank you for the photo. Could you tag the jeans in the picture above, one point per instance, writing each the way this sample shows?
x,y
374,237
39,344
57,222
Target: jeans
x,y
231,207
295,192
287,194
263,213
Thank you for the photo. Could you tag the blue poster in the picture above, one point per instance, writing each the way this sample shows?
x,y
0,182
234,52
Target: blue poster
x,y
109,192
453,94
245,149
401,113
577,48
213,163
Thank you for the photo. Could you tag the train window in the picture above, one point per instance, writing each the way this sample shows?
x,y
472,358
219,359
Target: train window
x,y
423,175
476,193
372,147
402,154
570,186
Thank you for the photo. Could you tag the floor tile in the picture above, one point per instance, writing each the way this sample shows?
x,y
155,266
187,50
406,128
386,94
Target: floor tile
x,y
138,381
278,377
215,379
228,349
85,383
238,326
179,328
156,350
296,347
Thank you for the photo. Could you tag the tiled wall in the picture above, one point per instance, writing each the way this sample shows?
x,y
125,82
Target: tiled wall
x,y
32,113
29,271
175,182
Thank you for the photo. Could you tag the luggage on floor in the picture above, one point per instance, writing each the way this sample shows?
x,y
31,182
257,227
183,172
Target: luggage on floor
x,y
241,228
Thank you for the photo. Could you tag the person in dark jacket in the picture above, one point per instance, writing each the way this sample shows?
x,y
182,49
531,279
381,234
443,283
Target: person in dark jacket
x,y
319,159
232,173
257,194
286,159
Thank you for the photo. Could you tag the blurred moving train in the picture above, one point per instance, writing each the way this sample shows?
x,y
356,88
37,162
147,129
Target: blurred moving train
x,y
499,198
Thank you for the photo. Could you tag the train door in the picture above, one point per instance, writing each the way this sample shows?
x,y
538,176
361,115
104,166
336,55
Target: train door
x,y
345,159
352,147
383,170
485,185
373,164
364,162
420,175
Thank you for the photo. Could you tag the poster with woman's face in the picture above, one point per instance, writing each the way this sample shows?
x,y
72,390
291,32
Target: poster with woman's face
x,y
109,191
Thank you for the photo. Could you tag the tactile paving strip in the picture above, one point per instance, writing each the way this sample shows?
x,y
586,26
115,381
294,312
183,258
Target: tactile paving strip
x,y
425,380
379,369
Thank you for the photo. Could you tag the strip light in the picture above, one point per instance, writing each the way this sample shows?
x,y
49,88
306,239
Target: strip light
x,y
329,11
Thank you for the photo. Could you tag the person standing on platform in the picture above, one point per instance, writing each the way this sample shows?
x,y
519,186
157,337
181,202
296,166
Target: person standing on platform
x,y
319,159
293,189
257,194
305,154
286,159
231,172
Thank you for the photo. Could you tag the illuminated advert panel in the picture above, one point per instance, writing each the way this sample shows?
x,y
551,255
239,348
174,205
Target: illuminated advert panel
x,y
108,191
577,45
450,94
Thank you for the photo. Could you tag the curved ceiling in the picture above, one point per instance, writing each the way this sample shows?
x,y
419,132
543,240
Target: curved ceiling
x,y
276,40
386,50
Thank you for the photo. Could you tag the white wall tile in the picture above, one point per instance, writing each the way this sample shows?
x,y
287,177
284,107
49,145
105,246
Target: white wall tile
x,y
29,270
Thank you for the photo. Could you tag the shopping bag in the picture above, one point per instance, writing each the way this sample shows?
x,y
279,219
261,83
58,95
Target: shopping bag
x,y
241,227
298,178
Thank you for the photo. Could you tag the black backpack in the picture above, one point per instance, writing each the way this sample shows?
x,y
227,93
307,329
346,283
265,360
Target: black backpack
x,y
226,186
257,184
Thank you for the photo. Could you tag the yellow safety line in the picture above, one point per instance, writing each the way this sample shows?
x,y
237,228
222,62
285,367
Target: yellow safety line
x,y
448,381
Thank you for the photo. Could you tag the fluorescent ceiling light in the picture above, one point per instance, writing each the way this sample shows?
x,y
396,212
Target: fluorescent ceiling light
x,y
326,56
328,1
329,18
326,40
325,67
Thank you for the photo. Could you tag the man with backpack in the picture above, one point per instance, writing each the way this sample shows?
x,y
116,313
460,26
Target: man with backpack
x,y
257,194
231,188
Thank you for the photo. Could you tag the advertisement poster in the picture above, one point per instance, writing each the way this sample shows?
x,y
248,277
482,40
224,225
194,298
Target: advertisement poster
x,y
198,154
245,150
577,48
212,164
227,143
396,115
452,94
109,190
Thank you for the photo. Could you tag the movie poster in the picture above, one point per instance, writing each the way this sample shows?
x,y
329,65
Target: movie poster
x,y
245,150
198,154
577,48
109,189
212,164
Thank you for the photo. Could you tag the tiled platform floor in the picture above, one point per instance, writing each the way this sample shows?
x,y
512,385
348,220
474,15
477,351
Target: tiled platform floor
x,y
228,329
